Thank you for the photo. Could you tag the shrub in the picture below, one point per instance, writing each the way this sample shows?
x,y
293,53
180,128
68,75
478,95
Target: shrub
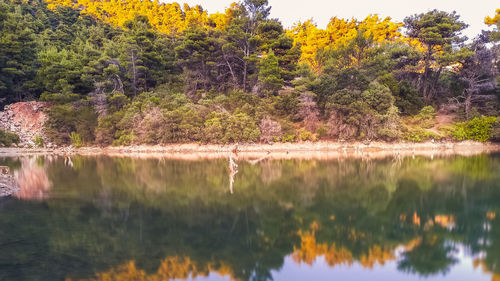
x,y
308,111
181,125
213,130
478,129
495,134
388,134
8,138
426,117
360,114
76,140
124,138
270,130
288,138
106,128
427,112
419,135
150,129
415,127
59,98
407,98
322,131
117,101
241,128
68,118
38,140
447,131
306,136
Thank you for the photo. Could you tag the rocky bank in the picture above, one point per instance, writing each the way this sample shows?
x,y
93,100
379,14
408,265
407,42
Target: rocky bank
x,y
26,119
8,184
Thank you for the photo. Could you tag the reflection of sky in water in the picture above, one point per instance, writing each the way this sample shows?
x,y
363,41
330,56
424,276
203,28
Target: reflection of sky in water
x,y
463,270
320,270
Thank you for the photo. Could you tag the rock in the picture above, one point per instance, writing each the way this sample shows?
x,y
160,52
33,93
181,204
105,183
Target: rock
x,y
4,170
7,185
26,119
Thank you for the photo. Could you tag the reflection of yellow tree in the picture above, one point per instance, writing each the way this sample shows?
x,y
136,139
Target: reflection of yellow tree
x,y
376,254
169,269
480,263
310,250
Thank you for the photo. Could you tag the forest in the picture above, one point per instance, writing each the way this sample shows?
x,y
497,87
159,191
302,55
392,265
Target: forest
x,y
126,72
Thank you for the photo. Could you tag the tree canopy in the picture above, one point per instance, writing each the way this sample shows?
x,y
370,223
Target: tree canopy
x,y
144,71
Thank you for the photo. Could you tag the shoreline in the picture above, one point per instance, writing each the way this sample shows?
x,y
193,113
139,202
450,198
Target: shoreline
x,y
304,150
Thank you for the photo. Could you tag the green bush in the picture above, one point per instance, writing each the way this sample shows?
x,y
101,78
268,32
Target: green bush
x,y
419,135
306,136
124,138
59,98
76,140
8,138
106,128
227,128
426,117
322,131
117,101
68,118
447,131
241,128
495,134
478,129
288,138
388,134
213,130
38,140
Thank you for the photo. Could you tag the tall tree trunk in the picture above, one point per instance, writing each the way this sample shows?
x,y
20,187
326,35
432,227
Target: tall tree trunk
x,y
425,83
134,73
245,66
468,102
235,81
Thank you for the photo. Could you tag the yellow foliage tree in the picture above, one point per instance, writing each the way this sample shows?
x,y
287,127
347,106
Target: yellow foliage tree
x,y
493,20
169,18
338,32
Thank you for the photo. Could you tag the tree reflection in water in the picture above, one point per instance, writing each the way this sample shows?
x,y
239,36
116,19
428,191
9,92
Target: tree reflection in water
x,y
109,218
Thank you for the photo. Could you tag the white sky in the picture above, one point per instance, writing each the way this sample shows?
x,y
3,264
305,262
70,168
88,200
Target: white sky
x,y
288,12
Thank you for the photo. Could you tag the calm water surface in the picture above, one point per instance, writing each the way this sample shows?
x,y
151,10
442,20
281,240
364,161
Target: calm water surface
x,y
85,218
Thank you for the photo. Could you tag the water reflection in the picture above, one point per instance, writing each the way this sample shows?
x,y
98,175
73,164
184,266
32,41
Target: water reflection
x,y
233,170
109,218
32,179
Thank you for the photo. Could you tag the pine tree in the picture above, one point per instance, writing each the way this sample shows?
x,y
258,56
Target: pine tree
x,y
18,49
270,74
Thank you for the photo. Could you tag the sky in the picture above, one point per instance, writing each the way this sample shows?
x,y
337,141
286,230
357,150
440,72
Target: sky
x,y
288,12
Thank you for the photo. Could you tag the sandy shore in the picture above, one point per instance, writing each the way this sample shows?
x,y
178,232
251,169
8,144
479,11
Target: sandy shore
x,y
305,150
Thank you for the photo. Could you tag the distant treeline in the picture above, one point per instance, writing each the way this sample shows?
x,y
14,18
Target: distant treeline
x,y
127,72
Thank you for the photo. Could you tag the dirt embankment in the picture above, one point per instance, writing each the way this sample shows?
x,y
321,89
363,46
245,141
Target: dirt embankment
x,y
306,150
26,119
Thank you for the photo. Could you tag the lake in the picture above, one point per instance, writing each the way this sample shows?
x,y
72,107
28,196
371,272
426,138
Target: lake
x,y
118,218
